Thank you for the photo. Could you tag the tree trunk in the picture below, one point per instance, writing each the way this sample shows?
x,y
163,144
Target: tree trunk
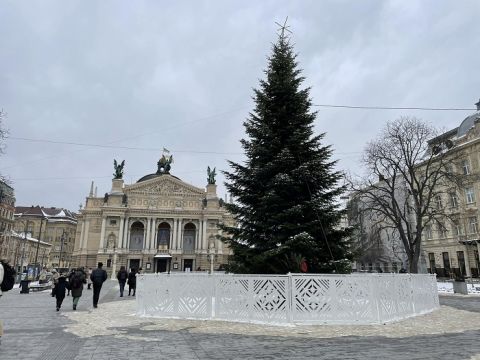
x,y
413,262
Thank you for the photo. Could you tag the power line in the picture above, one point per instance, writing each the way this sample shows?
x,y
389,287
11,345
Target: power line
x,y
138,135
144,148
119,146
392,108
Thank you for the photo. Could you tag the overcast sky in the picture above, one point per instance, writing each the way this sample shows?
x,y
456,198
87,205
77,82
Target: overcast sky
x,y
180,74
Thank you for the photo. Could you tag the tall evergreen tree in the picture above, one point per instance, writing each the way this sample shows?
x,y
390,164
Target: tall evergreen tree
x,y
285,192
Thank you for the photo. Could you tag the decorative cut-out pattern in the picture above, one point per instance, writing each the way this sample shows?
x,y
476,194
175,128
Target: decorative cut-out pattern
x,y
312,299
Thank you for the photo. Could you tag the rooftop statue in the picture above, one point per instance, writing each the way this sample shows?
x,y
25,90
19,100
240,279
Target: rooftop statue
x,y
118,174
164,164
211,175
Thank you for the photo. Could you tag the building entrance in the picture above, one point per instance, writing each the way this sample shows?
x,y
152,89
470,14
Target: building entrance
x,y
188,264
161,265
134,263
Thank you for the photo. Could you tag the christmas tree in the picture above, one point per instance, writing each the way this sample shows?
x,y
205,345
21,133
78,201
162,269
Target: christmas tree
x,y
287,216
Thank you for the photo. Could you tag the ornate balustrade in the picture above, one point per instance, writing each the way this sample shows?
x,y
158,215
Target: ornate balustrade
x,y
283,299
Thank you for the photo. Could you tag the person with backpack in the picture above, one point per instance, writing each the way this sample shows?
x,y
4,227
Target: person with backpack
x,y
76,280
132,281
122,276
98,277
59,291
7,277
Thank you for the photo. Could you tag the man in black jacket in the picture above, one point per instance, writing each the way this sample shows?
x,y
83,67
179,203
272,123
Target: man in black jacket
x,y
98,276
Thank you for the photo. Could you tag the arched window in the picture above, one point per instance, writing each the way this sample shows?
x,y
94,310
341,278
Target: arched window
x,y
136,236
189,237
163,234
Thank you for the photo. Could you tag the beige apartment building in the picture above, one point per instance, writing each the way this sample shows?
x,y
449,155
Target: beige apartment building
x,y
159,224
7,209
51,225
452,246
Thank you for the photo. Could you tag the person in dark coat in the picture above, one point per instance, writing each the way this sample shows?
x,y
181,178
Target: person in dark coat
x,y
76,280
69,288
122,277
60,289
98,277
132,281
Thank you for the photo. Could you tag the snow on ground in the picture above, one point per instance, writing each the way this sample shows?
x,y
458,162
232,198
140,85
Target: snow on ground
x,y
447,288
114,318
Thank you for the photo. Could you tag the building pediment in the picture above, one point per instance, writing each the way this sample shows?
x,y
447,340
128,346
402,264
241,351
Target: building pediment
x,y
165,186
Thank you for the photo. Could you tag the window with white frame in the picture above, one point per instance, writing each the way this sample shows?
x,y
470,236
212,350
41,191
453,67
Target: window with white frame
x,y
470,195
453,200
466,167
428,232
473,224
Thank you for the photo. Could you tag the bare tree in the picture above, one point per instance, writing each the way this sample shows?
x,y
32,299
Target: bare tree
x,y
408,170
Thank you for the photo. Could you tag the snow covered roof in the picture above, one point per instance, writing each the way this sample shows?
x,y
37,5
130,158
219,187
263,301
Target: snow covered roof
x,y
50,213
29,237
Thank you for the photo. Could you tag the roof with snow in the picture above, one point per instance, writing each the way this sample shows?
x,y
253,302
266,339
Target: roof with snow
x,y
52,213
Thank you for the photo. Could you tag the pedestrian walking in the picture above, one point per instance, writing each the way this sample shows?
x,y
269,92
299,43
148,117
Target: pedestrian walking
x,y
76,280
132,281
89,281
69,287
59,290
98,277
55,277
122,276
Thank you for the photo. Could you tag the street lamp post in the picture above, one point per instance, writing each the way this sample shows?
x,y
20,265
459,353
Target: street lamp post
x,y
43,256
211,256
24,245
114,265
38,244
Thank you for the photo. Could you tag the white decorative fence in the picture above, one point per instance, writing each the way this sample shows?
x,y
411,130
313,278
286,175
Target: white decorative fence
x,y
284,299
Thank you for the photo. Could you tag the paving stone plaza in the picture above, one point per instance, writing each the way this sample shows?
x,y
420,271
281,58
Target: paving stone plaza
x,y
34,330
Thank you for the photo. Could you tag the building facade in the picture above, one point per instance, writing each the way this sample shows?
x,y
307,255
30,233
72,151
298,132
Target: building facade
x,y
55,226
451,246
377,246
159,224
26,251
7,210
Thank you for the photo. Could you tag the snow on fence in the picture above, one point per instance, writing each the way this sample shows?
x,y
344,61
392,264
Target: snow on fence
x,y
287,299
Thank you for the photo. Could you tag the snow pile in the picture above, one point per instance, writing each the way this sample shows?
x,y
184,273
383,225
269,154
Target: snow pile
x,y
447,288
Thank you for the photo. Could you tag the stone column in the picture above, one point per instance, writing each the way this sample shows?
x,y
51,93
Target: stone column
x,y
120,233
127,239
467,262
179,234
125,232
102,234
153,235
173,242
82,234
204,234
219,244
85,237
146,236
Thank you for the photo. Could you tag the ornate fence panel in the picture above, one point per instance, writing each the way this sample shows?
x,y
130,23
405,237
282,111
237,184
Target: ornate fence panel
x,y
165,295
299,298
252,298
332,299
